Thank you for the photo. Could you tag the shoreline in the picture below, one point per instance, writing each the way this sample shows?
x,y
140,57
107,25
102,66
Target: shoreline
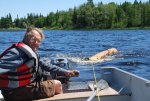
x,y
22,29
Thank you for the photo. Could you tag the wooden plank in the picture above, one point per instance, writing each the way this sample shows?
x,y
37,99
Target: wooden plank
x,y
68,96
106,92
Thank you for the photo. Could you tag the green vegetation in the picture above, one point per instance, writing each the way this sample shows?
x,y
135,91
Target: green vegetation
x,y
87,16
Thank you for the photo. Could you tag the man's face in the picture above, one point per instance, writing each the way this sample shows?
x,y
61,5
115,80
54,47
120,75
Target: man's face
x,y
35,40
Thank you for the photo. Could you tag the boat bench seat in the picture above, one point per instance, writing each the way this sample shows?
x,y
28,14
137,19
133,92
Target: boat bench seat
x,y
73,95
104,92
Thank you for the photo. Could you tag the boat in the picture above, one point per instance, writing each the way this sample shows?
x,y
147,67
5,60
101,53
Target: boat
x,y
116,85
123,86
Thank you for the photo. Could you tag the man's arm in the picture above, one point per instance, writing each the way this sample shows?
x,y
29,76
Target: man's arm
x,y
46,65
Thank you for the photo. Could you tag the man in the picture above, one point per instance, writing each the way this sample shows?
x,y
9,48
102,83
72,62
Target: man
x,y
20,66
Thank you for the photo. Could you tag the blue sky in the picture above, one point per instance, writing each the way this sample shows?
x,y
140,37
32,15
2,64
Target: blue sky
x,y
22,7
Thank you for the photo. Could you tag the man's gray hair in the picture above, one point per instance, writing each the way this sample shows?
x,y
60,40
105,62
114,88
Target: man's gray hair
x,y
28,33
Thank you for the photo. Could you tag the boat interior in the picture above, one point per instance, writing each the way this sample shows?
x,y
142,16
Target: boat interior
x,y
122,86
118,85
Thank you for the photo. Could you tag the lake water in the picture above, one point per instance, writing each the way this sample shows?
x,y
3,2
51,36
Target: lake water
x,y
133,46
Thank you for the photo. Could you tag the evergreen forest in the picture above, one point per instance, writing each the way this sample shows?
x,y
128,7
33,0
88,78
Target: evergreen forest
x,y
87,16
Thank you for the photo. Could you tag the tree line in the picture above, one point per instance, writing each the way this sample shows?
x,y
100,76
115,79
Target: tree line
x,y
87,16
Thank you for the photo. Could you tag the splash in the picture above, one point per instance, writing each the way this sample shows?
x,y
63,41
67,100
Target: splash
x,y
82,61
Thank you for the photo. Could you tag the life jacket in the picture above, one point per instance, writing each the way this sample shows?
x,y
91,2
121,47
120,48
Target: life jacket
x,y
24,74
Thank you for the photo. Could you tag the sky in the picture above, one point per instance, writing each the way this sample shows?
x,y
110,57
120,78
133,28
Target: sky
x,y
23,7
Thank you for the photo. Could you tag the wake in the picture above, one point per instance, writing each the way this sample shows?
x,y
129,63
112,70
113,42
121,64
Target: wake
x,y
82,61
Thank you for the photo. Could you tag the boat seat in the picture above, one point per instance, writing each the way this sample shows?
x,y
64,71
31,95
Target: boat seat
x,y
85,94
107,91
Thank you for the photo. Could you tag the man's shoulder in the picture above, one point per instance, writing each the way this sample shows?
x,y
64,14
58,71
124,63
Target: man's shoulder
x,y
16,51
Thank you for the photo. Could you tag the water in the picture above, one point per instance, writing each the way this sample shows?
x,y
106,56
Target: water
x,y
133,46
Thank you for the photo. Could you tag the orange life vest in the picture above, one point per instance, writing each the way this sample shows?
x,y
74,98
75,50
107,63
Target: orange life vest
x,y
24,74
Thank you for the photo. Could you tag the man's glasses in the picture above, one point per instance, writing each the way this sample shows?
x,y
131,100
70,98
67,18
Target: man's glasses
x,y
35,39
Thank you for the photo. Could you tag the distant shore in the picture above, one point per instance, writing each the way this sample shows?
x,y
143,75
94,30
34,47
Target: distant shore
x,y
21,29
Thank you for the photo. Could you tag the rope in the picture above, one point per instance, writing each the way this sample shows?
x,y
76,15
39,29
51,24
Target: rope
x,y
95,80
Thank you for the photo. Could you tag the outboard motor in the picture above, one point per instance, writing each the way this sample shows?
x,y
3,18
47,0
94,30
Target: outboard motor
x,y
63,63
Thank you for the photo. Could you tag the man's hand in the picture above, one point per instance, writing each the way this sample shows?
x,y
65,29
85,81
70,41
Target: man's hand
x,y
72,73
